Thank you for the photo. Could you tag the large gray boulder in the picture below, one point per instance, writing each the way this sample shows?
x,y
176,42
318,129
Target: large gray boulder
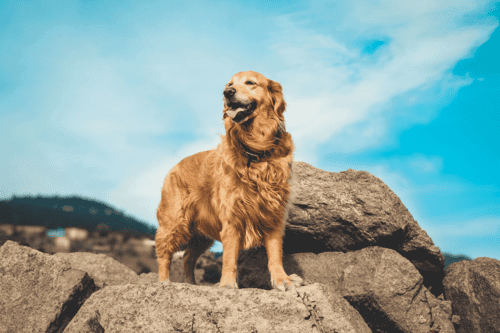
x,y
473,287
38,292
384,287
174,307
351,210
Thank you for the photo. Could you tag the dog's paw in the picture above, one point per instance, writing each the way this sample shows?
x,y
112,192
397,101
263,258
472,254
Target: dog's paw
x,y
289,283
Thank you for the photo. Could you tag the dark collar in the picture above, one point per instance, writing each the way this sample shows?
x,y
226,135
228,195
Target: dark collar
x,y
253,156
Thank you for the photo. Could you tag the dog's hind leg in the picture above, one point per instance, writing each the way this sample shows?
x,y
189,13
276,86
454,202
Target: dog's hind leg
x,y
164,252
168,242
195,248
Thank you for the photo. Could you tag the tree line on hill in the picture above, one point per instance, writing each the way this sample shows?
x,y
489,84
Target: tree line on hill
x,y
56,212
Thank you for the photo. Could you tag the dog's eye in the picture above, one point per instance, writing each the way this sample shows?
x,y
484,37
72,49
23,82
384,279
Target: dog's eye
x,y
250,82
230,84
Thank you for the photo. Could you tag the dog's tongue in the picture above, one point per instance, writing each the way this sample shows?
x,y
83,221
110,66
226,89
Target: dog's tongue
x,y
233,113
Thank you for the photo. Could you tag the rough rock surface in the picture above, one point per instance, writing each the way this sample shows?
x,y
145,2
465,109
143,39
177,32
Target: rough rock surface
x,y
103,269
351,210
38,292
146,278
474,290
383,286
161,307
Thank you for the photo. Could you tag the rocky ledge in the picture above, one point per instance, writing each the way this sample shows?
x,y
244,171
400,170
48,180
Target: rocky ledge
x,y
367,267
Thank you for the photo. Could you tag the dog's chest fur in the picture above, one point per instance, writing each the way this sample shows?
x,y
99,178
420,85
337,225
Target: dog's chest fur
x,y
263,198
254,199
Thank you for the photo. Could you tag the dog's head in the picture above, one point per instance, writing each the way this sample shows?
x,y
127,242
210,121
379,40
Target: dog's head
x,y
249,94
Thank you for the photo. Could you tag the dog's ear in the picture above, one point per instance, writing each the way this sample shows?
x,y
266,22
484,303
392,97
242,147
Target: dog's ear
x,y
277,98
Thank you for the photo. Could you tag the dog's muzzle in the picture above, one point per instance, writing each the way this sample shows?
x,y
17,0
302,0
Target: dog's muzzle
x,y
239,108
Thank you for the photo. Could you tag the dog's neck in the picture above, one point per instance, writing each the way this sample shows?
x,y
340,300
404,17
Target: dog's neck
x,y
254,156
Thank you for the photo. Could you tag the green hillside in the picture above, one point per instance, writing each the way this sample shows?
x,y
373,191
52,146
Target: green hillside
x,y
62,212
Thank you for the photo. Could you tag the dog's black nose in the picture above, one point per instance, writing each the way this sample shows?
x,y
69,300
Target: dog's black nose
x,y
229,92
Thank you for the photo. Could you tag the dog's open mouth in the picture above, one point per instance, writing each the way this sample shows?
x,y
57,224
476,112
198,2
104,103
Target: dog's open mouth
x,y
239,112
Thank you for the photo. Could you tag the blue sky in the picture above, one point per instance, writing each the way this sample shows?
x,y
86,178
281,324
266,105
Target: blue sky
x,y
101,99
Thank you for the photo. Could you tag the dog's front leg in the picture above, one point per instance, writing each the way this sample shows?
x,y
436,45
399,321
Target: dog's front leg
x,y
231,246
274,247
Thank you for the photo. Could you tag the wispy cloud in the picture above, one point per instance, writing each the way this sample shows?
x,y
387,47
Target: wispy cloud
x,y
337,85
424,165
101,109
476,237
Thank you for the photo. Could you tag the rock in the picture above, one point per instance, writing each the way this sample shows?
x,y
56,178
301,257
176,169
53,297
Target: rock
x,y
104,270
473,287
384,287
207,271
351,210
146,278
161,307
38,292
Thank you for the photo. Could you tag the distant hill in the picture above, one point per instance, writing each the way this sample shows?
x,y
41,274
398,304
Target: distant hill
x,y
62,212
451,258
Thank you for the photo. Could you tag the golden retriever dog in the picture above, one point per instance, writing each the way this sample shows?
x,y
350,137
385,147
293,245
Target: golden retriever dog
x,y
236,194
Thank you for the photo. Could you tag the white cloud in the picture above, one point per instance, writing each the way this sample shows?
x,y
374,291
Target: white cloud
x,y
421,164
329,85
471,228
473,237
